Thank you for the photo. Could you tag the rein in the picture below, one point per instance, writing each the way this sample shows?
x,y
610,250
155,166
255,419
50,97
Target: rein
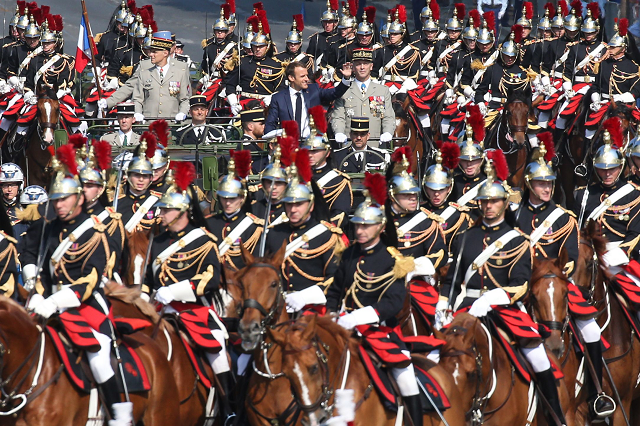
x,y
562,326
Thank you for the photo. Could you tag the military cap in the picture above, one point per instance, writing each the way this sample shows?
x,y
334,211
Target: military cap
x,y
362,54
252,115
161,40
359,124
126,108
196,100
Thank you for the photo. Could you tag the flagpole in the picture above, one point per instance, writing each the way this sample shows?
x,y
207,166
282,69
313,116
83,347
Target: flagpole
x,y
92,44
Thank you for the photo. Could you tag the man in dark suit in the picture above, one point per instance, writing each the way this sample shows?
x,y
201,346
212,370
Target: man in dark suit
x,y
192,133
363,158
293,102
253,129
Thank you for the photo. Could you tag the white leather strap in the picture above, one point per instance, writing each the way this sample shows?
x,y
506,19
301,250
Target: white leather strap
x,y
234,235
482,258
73,237
395,59
591,56
223,53
546,225
193,235
610,200
469,195
28,59
142,210
46,66
446,51
428,56
490,61
312,233
331,174
415,221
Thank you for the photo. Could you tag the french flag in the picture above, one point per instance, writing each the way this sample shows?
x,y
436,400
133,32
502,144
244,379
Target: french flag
x,y
84,53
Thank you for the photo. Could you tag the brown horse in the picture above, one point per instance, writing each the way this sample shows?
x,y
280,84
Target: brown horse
x,y
135,255
318,357
548,303
192,394
622,357
492,393
409,128
54,400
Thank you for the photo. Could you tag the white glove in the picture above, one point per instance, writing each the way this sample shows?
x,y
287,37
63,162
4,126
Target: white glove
x,y
41,306
468,92
295,301
545,80
267,100
62,93
138,117
615,257
102,104
233,102
500,14
483,108
30,98
448,93
164,295
385,137
461,100
181,116
595,97
443,315
366,315
595,106
433,81
14,82
145,297
342,138
482,306
235,109
4,87
309,296
422,267
567,86
111,84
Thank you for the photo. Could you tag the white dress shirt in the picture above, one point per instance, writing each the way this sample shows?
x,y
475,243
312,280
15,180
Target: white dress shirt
x,y
304,120
121,136
165,70
360,83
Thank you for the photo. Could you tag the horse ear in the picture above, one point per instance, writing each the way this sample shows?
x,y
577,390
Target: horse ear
x,y
438,334
278,258
277,336
470,334
310,330
562,259
229,275
246,255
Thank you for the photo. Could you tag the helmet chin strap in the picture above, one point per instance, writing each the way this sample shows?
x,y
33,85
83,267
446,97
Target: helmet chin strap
x,y
94,199
306,214
176,218
617,177
399,206
73,209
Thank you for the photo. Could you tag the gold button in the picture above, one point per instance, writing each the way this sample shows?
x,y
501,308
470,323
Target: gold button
x,y
64,230
484,288
396,223
295,234
357,290
160,94
362,262
228,228
537,254
291,275
536,219
488,238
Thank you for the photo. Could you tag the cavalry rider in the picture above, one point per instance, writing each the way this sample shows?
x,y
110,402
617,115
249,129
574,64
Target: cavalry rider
x,y
481,58
160,165
633,153
583,70
235,225
611,201
419,234
398,63
125,61
431,10
346,34
427,46
437,184
136,200
494,276
318,42
258,75
551,229
217,51
72,274
8,257
12,38
274,182
370,287
445,47
544,39
185,270
11,183
617,79
116,38
528,43
313,244
293,43
334,184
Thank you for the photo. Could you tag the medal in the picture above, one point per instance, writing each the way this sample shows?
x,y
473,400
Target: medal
x,y
499,262
407,244
180,265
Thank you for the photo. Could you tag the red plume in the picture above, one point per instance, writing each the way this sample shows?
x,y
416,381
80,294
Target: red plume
x,y
77,140
435,10
319,118
154,26
59,24
475,15
551,8
595,10
334,4
131,5
152,143
102,152
50,22
499,163
299,22
353,7
396,156
563,8
476,121
517,33
232,5
438,144
22,5
258,6
32,6
45,10
37,17
144,14
253,20
290,128
528,6
577,6
263,20
547,139
371,14
288,146
623,26
402,13
450,152
225,10
461,11
490,19
303,165
614,126
149,10
161,130
391,12
376,184
184,173
242,159
67,155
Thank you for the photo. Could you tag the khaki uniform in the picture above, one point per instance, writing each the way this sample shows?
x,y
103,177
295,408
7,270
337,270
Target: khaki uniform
x,y
154,98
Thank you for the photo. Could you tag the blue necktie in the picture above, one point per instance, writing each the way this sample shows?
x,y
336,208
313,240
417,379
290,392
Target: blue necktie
x,y
364,88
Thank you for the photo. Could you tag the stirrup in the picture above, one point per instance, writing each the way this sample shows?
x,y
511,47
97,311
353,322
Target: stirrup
x,y
581,170
602,415
229,420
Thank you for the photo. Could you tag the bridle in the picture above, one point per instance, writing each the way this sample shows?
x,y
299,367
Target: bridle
x,y
561,326
594,269
269,315
509,129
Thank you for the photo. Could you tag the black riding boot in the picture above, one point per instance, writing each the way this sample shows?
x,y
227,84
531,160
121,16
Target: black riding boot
x,y
599,407
559,137
226,383
547,385
414,408
110,394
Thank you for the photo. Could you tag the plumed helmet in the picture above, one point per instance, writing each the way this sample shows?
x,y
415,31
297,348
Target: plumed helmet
x,y
497,172
402,182
221,23
330,14
122,14
33,30
65,181
542,169
572,21
11,172
608,155
371,211
178,194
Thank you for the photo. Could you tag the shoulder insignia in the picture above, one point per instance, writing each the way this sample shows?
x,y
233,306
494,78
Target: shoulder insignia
x,y
459,207
526,236
569,212
121,195
394,252
8,237
204,43
254,188
98,226
581,188
314,34
97,37
210,235
256,219
343,174
332,227
156,193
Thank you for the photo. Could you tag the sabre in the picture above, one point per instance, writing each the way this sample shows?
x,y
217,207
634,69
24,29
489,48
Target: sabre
x,y
31,286
263,237
455,272
419,176
116,193
433,404
116,350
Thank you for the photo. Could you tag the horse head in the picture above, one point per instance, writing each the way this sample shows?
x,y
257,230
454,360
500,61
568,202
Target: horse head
x,y
401,104
517,113
593,245
259,286
304,363
48,111
137,244
548,299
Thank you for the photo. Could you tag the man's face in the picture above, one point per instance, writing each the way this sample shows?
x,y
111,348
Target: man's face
x,y
32,42
259,51
125,122
139,41
159,172
346,32
359,139
609,176
470,168
121,28
508,60
407,202
525,32
558,32
158,55
317,156
20,33
48,46
483,47
199,113
294,47
437,196
278,189
231,205
179,50
256,128
10,190
492,210
544,34
329,26
68,207
169,216
220,35
297,212
471,43
431,35
365,39
362,69
542,189
571,34
590,36
139,182
453,34
395,38
615,51
300,78
14,32
91,191
366,233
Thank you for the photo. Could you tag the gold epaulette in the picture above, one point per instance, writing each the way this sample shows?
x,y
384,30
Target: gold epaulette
x,y
126,70
256,219
526,236
210,235
121,195
254,188
316,33
432,215
573,43
477,64
8,237
155,193
204,43
343,174
581,188
97,37
459,207
377,46
332,227
529,42
569,212
403,265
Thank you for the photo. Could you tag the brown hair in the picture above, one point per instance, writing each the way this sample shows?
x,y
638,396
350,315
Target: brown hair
x,y
290,70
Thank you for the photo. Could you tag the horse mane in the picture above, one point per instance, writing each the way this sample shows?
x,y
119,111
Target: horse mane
x,y
592,233
399,111
520,95
544,267
44,91
131,296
